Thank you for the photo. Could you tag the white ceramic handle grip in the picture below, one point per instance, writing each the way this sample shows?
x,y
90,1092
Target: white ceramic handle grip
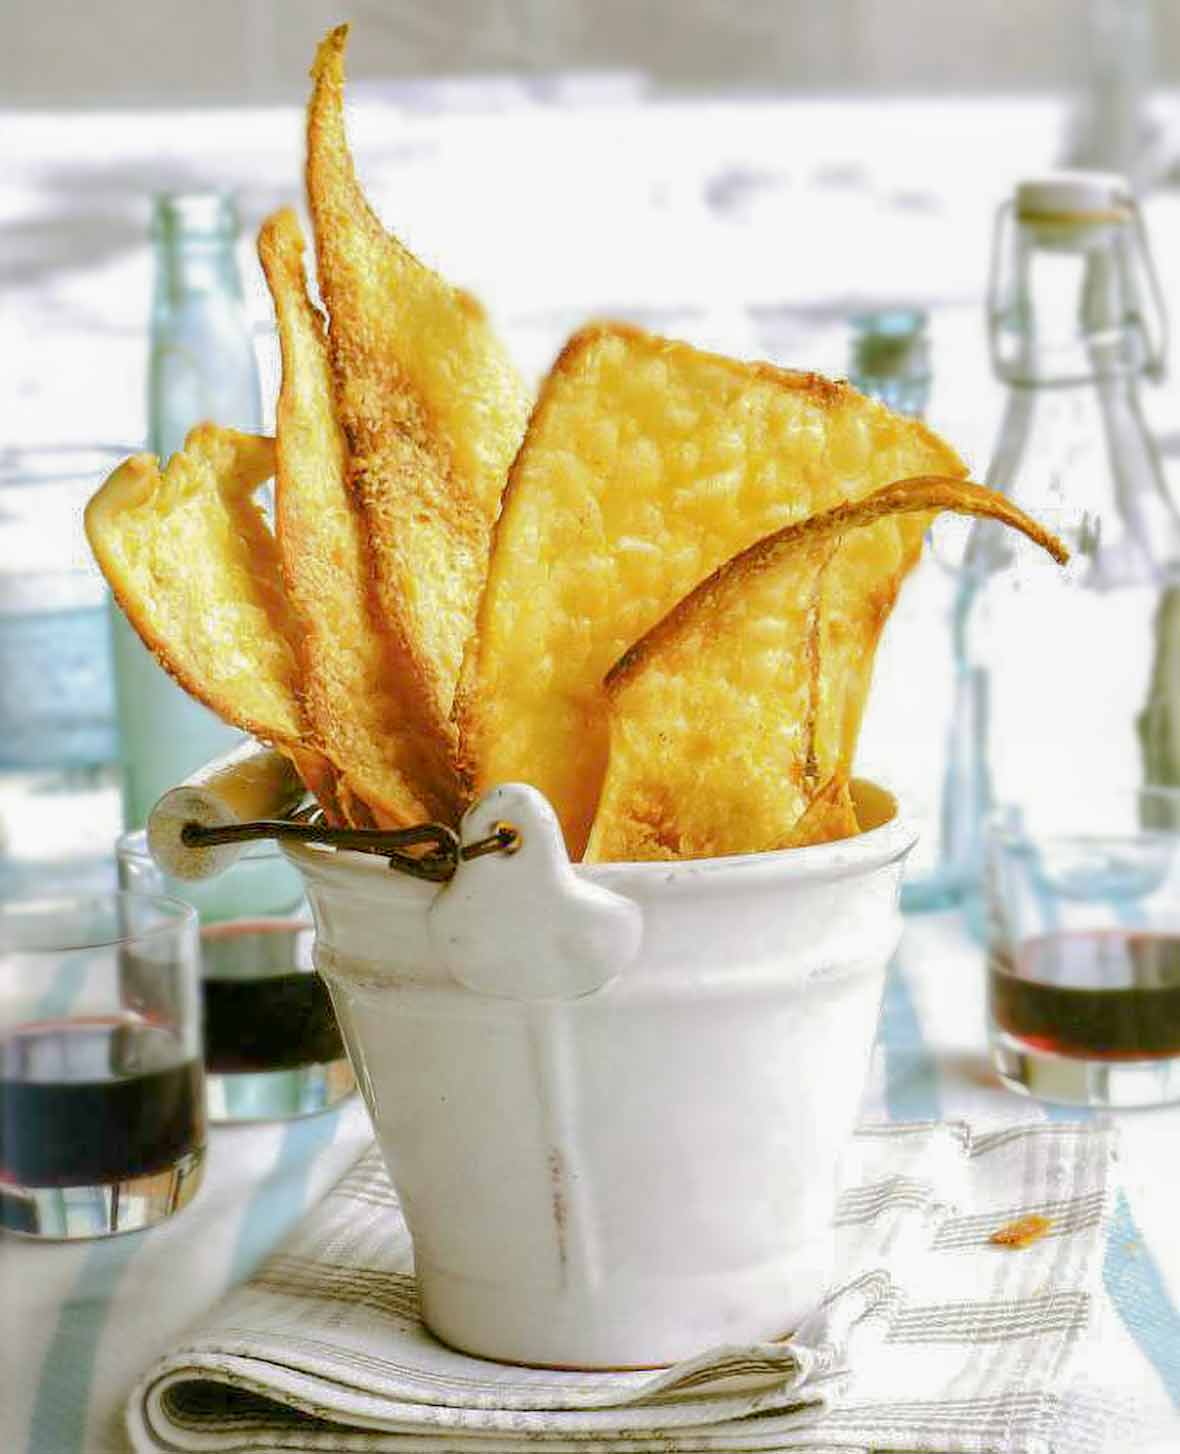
x,y
526,926
252,781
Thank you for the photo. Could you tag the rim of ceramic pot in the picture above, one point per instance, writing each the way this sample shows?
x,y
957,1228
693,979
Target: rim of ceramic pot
x,y
889,838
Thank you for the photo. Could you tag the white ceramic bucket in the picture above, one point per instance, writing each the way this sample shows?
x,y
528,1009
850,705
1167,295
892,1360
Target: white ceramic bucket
x,y
612,1098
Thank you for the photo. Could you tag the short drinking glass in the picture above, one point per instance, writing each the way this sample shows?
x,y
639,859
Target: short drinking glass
x,y
102,1103
273,1048
1084,947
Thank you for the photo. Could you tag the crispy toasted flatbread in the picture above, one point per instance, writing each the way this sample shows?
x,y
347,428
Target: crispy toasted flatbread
x,y
347,685
859,589
194,566
829,816
431,409
716,721
646,464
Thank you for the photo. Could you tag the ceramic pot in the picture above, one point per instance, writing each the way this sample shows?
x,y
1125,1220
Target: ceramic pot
x,y
612,1098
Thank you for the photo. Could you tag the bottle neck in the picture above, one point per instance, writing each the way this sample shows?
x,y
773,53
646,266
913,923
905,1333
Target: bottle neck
x,y
1070,318
186,267
201,362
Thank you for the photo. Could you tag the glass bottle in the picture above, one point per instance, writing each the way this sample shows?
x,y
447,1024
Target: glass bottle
x,y
890,358
1074,670
904,741
202,366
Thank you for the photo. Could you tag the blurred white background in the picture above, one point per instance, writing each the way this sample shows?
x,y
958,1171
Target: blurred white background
x,y
127,52
743,174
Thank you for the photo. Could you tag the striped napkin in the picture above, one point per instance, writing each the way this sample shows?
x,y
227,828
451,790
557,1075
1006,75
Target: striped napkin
x,y
934,1339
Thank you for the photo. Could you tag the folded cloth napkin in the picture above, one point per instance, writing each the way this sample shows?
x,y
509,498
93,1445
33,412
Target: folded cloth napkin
x,y
935,1338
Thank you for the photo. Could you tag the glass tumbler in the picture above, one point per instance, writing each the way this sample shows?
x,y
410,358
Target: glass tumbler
x,y
1083,978
272,1046
102,1105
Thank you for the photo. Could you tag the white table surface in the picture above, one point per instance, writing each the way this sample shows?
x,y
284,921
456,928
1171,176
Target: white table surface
x,y
754,227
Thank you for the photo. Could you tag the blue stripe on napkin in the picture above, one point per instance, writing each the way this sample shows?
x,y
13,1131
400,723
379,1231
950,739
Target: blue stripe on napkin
x,y
281,1198
1136,1286
1134,1282
911,1075
58,1422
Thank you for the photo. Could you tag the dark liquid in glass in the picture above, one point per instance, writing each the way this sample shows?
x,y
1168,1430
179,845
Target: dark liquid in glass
x,y
265,1008
91,1101
1103,995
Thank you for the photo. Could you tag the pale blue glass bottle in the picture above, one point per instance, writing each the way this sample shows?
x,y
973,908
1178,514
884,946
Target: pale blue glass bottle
x,y
1078,670
202,366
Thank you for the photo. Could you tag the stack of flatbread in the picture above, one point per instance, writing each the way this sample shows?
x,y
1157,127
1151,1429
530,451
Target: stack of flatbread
x,y
645,593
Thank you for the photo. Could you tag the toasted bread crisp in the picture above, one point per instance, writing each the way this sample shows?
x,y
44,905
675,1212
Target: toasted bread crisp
x,y
1023,1232
384,773
647,463
830,815
860,587
717,724
192,563
432,411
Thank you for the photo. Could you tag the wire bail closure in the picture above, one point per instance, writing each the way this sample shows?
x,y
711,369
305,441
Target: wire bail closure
x,y
438,864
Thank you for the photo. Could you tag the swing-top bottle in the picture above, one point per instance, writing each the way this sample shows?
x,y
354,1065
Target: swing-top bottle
x,y
1076,669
